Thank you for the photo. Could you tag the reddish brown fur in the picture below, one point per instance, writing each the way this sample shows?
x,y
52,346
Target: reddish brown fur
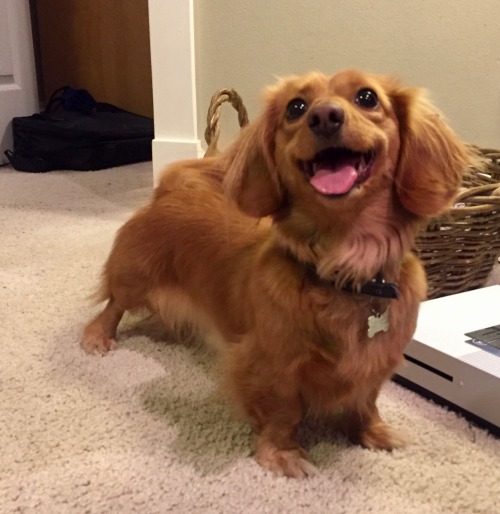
x,y
293,341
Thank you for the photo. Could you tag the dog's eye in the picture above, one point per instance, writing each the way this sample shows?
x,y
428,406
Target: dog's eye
x,y
367,98
295,109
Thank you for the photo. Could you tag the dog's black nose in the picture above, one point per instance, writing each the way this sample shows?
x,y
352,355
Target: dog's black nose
x,y
325,119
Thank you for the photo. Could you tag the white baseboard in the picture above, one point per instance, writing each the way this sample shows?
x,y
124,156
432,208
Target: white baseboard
x,y
167,151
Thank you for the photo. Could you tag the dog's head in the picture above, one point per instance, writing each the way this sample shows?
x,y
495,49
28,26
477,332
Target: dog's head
x,y
332,140
350,162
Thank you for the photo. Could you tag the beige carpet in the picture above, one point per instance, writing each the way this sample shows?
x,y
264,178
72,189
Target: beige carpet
x,y
141,430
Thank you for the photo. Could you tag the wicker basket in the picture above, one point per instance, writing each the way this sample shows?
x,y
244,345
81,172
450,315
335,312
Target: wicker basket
x,y
459,248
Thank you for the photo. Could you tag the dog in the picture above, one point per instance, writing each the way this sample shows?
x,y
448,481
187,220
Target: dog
x,y
294,247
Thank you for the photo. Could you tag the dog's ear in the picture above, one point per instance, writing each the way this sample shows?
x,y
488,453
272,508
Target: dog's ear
x,y
251,175
432,157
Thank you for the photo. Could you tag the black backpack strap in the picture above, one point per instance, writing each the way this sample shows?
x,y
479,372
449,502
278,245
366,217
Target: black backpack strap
x,y
71,99
55,100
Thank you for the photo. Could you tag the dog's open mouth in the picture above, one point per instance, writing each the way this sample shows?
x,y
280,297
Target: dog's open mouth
x,y
336,171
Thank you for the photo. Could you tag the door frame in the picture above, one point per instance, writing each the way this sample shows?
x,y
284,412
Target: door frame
x,y
18,87
171,26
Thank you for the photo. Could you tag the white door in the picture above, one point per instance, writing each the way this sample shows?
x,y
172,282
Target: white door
x,y
18,96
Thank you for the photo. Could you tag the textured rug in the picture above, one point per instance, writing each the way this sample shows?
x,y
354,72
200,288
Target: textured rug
x,y
142,430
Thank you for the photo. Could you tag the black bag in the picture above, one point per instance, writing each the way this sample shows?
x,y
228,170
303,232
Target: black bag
x,y
76,132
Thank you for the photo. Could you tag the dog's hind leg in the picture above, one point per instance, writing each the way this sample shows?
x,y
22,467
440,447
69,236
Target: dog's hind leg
x,y
99,335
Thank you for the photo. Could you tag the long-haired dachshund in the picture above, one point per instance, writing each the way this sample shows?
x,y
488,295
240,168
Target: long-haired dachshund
x,y
314,301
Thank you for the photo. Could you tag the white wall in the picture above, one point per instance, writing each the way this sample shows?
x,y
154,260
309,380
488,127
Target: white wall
x,y
451,47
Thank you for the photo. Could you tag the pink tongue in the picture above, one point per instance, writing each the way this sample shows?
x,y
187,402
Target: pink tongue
x,y
334,182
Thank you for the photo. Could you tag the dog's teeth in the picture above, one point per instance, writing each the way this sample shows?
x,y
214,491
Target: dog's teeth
x,y
364,162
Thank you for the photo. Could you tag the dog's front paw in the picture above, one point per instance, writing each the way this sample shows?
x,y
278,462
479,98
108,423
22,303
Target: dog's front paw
x,y
291,463
379,436
96,341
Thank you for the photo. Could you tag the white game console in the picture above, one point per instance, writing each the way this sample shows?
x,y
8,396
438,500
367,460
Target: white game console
x,y
453,360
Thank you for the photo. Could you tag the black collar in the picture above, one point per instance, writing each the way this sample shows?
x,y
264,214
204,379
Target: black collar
x,y
377,287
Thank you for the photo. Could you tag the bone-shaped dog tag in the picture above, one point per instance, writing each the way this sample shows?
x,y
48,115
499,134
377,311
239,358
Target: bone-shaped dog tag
x,y
378,323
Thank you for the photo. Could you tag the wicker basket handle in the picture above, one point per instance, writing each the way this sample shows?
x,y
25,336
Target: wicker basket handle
x,y
212,131
487,195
